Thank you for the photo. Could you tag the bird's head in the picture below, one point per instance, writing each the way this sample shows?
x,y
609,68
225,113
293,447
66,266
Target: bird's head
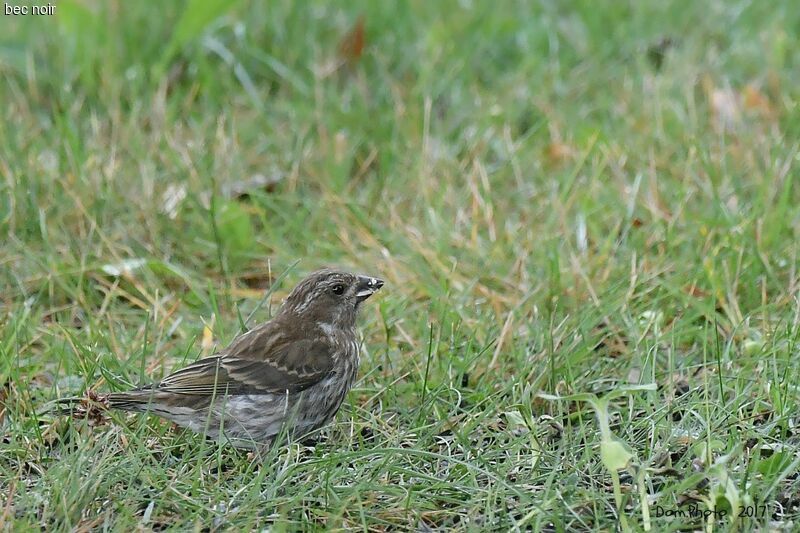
x,y
330,298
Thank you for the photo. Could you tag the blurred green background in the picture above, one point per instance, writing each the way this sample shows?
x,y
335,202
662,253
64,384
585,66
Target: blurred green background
x,y
564,197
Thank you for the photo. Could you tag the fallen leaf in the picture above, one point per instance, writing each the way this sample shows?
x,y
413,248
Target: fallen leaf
x,y
123,268
755,100
558,152
351,46
694,290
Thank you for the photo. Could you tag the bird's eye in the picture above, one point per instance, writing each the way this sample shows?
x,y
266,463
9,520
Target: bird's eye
x,y
338,289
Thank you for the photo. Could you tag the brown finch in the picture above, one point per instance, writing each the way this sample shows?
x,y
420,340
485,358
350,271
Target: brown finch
x,y
292,372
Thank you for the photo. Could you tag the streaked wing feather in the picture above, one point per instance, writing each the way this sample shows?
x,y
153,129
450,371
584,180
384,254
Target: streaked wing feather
x,y
291,367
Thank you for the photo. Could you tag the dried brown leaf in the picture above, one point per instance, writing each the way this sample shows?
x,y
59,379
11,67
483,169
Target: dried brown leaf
x,y
755,100
694,290
558,152
351,46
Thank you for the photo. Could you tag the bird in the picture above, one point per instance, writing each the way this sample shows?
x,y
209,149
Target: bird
x,y
287,376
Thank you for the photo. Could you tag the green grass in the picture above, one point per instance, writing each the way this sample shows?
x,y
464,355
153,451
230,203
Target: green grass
x,y
568,201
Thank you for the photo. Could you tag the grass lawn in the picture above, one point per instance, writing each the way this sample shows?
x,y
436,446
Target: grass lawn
x,y
586,214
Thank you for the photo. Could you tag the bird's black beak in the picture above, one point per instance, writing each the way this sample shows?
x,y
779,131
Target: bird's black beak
x,y
366,287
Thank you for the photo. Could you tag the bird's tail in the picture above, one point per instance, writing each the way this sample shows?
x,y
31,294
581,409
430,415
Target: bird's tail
x,y
94,405
133,400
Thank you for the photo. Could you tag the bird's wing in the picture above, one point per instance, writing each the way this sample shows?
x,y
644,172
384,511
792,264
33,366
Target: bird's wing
x,y
292,366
